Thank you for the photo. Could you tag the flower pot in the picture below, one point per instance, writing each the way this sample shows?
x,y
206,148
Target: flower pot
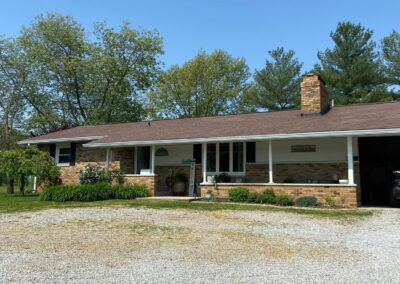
x,y
208,196
179,188
343,181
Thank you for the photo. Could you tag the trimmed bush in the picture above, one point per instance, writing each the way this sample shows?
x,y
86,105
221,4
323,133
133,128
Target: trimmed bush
x,y
253,197
238,194
284,200
267,198
129,192
92,192
84,192
306,201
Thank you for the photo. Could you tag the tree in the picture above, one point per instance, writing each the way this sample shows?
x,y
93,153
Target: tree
x,y
277,85
81,80
209,84
351,68
19,164
13,86
9,166
391,56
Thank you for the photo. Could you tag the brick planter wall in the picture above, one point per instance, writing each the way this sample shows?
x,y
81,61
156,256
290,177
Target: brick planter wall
x,y
344,195
150,181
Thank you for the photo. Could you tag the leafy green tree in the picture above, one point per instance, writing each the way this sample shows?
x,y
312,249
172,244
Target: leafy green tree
x,y
277,85
88,80
391,56
16,165
33,162
13,87
9,167
209,84
351,68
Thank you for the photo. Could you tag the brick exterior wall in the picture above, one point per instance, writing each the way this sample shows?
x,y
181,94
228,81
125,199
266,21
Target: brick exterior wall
x,y
314,97
255,173
344,195
150,181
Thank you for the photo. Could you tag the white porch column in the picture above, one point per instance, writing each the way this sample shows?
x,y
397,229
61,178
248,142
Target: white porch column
x,y
271,178
350,164
204,162
108,160
153,158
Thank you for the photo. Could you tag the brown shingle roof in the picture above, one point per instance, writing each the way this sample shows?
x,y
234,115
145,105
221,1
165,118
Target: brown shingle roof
x,y
341,118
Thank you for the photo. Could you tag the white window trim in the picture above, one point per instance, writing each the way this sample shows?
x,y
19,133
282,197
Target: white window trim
x,y
62,146
230,172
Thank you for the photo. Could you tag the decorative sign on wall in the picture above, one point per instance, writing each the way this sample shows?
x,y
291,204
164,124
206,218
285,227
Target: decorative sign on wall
x,y
186,161
304,148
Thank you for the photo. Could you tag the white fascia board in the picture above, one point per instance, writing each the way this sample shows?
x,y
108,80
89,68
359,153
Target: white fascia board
x,y
369,132
59,140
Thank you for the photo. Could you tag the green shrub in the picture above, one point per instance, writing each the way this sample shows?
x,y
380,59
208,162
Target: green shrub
x,y
92,174
253,197
284,200
224,177
129,192
92,192
117,176
238,194
330,201
306,201
180,177
83,192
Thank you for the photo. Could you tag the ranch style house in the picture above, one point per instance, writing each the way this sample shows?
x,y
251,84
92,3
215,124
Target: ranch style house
x,y
346,153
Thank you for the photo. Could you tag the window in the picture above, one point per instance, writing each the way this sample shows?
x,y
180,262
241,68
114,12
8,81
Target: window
x,y
63,155
250,152
197,150
161,152
238,157
211,157
224,157
143,159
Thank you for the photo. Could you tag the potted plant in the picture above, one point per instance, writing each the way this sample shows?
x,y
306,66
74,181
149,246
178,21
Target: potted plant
x,y
344,180
179,183
223,178
208,196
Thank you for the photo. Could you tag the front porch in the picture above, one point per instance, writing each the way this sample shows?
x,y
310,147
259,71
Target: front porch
x,y
298,167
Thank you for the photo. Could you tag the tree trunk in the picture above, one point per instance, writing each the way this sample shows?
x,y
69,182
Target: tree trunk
x,y
10,185
22,185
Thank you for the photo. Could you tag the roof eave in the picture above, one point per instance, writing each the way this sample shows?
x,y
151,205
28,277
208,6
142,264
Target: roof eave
x,y
60,140
344,133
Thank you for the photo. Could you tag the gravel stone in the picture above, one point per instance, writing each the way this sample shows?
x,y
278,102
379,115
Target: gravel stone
x,y
140,245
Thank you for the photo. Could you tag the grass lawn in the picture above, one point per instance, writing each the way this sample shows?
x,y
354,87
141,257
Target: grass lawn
x,y
30,202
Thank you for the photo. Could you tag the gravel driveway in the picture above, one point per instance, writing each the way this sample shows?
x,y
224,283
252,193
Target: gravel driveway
x,y
184,246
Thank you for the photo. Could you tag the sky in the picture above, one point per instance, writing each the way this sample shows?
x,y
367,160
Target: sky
x,y
244,28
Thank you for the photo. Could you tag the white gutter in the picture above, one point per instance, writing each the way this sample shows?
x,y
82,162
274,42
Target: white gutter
x,y
369,132
59,140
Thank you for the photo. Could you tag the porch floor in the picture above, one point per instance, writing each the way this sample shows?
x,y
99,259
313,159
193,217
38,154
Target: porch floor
x,y
174,198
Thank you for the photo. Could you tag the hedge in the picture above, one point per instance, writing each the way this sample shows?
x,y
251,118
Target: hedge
x,y
307,201
241,194
92,192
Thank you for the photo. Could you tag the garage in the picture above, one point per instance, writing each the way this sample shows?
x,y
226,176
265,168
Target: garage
x,y
379,157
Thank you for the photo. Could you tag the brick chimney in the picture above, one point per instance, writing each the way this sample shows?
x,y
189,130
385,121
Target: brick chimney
x,y
314,97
